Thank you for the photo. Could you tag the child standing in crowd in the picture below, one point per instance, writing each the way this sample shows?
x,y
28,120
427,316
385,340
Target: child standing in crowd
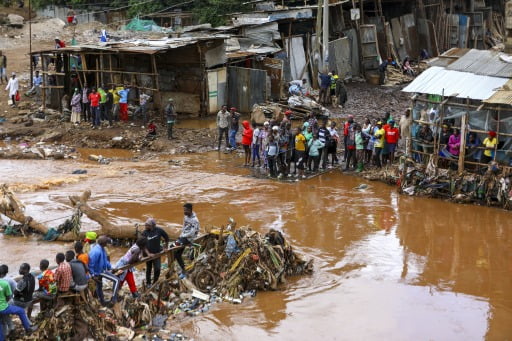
x,y
256,145
315,146
272,149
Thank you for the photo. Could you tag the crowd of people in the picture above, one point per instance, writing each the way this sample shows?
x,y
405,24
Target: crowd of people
x,y
313,145
89,265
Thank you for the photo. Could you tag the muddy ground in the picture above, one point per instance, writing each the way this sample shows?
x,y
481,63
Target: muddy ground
x,y
365,100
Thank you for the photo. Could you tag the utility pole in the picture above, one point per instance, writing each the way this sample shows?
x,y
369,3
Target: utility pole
x,y
325,36
30,41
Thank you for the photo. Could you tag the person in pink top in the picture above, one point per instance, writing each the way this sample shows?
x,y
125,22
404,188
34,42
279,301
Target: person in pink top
x,y
454,143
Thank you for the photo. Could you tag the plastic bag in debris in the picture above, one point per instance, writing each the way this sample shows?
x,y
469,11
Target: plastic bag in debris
x,y
51,235
159,320
231,246
409,190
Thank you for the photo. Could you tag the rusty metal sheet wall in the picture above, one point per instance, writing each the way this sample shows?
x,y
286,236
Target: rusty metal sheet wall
x,y
246,87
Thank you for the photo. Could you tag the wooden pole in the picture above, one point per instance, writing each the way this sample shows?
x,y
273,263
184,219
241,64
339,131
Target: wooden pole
x,y
462,150
43,67
497,134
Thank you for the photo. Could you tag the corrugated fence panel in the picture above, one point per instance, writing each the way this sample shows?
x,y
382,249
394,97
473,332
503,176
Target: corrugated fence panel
x,y
246,87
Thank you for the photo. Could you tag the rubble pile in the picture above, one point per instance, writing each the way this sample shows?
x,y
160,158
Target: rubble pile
x,y
490,186
227,265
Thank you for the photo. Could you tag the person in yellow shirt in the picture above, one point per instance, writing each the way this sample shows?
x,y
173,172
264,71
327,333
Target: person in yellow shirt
x,y
379,135
300,152
489,143
115,108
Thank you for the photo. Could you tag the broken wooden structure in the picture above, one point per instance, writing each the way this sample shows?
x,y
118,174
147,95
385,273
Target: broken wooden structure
x,y
469,90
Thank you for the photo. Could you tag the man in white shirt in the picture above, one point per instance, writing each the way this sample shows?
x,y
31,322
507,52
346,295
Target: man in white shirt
x,y
223,125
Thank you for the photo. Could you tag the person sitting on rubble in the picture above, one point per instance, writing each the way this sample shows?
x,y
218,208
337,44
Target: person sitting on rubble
x,y
151,131
37,80
79,271
7,309
154,235
407,68
47,287
80,254
489,143
188,234
99,267
25,287
63,274
297,87
133,255
5,320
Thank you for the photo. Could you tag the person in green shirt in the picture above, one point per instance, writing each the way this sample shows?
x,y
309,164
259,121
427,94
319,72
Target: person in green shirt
x,y
7,309
103,102
359,148
379,143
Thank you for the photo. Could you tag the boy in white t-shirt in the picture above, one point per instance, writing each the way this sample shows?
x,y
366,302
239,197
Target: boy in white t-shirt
x,y
256,145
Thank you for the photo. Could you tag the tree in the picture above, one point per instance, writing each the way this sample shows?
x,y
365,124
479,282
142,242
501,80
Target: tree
x,y
215,11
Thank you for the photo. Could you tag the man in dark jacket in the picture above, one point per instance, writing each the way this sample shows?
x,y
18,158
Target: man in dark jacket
x,y
25,288
154,235
79,271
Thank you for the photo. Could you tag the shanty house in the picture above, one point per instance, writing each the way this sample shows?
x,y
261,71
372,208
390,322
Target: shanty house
x,y
180,68
470,90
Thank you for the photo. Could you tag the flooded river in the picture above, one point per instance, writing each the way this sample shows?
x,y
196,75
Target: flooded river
x,y
387,266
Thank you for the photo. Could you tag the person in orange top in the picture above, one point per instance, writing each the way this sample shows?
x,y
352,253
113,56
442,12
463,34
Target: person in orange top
x,y
80,255
392,137
47,287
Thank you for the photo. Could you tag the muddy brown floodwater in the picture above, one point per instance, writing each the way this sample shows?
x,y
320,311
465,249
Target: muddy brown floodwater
x,y
387,266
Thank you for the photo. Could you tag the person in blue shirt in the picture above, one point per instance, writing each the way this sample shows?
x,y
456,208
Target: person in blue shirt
x,y
37,80
123,103
325,85
99,267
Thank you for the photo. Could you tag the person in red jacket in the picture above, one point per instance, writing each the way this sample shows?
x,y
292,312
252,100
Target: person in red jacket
x,y
246,141
392,137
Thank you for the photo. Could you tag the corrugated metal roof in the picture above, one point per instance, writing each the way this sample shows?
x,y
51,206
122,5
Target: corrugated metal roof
x,y
447,58
454,83
502,96
483,62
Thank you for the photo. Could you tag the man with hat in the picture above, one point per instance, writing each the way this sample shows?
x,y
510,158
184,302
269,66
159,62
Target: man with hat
x,y
233,126
170,115
188,234
13,87
154,235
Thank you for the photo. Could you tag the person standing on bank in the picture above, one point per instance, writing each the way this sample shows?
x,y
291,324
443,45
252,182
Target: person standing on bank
x,y
170,115
223,125
188,234
13,87
154,235
233,127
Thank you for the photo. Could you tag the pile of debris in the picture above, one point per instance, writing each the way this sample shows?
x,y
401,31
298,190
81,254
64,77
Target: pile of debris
x,y
228,265
491,186
40,150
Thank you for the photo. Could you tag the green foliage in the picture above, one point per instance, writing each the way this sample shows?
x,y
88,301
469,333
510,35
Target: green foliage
x,y
215,11
206,11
